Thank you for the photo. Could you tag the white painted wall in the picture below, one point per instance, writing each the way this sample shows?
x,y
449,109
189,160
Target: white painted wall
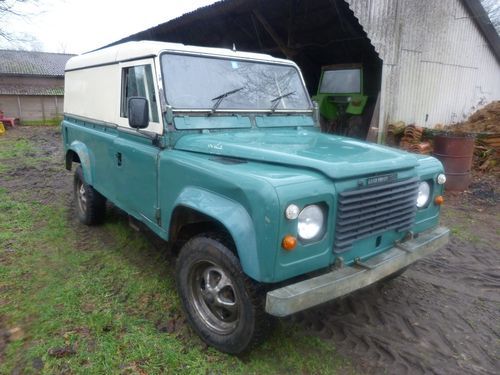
x,y
436,63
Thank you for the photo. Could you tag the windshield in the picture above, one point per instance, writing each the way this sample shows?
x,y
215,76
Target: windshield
x,y
345,81
198,82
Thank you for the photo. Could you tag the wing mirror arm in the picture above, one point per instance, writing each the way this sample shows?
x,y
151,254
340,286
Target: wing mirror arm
x,y
316,113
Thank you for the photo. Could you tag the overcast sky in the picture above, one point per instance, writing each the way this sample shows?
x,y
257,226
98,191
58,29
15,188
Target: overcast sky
x,y
77,26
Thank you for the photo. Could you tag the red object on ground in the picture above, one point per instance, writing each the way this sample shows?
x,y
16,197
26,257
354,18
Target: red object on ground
x,y
7,120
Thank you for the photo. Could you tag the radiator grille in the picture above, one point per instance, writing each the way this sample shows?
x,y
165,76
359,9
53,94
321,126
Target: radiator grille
x,y
370,211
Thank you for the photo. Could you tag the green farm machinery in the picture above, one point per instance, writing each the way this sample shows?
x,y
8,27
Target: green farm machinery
x,y
341,100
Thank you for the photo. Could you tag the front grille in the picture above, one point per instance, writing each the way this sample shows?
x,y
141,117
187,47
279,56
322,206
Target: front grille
x,y
370,211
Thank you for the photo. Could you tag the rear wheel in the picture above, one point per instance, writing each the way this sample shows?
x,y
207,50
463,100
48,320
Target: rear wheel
x,y
90,205
221,303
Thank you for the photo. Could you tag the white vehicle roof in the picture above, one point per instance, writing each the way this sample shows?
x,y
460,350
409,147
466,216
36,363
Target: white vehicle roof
x,y
136,50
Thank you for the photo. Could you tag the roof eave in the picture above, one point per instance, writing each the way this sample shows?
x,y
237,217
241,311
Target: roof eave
x,y
483,22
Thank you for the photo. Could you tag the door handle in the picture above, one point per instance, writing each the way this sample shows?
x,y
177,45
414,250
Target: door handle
x,y
119,159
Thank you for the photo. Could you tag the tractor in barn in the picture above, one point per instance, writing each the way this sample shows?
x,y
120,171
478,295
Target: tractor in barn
x,y
341,100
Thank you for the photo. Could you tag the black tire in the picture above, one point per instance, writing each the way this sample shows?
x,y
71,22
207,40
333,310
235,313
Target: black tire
x,y
90,205
220,302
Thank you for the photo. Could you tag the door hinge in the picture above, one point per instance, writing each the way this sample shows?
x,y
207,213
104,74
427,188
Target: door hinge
x,y
158,216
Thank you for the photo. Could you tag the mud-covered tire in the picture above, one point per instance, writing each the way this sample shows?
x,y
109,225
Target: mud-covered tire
x,y
90,204
221,303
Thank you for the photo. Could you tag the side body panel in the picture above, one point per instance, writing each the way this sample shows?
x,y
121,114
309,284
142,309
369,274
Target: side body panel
x,y
135,174
118,161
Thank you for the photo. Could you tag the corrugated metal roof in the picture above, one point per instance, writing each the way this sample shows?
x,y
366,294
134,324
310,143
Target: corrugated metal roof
x,y
33,63
35,91
369,12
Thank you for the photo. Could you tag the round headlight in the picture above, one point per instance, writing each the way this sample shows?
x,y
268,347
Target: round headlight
x,y
424,192
310,224
441,179
292,212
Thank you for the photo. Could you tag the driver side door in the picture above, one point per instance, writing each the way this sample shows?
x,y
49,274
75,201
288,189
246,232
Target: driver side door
x,y
136,157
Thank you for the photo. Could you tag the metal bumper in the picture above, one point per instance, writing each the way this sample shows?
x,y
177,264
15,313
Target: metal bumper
x,y
311,292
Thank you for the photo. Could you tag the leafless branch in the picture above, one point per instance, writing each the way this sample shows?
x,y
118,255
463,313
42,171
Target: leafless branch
x,y
13,11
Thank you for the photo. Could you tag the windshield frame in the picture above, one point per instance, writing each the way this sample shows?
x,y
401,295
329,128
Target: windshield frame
x,y
229,110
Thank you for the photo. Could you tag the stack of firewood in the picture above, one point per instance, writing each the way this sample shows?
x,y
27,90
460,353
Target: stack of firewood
x,y
486,152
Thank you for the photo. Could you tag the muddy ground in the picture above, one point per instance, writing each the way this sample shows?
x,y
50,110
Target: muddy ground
x,y
442,316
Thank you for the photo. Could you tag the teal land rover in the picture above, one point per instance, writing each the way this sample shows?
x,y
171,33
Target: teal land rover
x,y
220,153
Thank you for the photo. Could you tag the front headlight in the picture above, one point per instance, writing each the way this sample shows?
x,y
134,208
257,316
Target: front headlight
x,y
311,220
424,193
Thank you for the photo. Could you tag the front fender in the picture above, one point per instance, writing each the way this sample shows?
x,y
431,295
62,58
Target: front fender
x,y
235,219
85,159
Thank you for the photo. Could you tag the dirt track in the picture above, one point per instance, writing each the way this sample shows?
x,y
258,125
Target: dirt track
x,y
442,316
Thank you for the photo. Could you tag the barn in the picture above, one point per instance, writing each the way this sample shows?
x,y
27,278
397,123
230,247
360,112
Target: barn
x,y
32,86
425,62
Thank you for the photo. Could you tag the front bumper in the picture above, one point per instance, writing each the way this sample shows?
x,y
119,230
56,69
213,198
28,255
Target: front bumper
x,y
312,292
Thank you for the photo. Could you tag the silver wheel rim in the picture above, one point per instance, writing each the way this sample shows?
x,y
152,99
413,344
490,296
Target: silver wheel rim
x,y
213,297
81,196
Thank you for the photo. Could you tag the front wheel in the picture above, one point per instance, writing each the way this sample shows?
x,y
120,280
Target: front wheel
x,y
221,303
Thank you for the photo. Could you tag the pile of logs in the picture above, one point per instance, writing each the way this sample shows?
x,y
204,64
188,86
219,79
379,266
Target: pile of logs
x,y
419,140
486,152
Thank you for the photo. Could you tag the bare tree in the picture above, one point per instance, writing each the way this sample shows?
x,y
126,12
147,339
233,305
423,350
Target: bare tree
x,y
12,11
492,7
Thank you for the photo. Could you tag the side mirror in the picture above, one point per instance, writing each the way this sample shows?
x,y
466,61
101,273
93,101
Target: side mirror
x,y
316,114
138,112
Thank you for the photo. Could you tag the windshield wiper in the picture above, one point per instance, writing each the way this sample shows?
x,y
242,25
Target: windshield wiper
x,y
276,101
221,97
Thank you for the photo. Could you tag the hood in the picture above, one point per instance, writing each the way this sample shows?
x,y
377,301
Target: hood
x,y
335,156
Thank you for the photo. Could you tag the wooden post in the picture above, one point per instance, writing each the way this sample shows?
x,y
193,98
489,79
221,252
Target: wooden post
x,y
19,112
43,108
288,52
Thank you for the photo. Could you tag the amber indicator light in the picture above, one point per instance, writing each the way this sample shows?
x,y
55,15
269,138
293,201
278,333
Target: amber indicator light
x,y
439,200
289,242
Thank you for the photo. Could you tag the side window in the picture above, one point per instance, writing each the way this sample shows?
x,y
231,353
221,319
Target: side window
x,y
138,81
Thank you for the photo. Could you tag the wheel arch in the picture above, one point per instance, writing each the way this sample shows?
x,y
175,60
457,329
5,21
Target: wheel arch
x,y
213,211
78,152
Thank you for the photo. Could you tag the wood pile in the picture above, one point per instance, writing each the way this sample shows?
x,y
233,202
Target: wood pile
x,y
487,152
484,124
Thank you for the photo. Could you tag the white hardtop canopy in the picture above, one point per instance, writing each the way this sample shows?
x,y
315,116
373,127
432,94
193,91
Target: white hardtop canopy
x,y
136,50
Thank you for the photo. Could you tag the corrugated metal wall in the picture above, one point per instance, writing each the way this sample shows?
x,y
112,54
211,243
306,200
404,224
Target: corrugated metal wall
x,y
438,67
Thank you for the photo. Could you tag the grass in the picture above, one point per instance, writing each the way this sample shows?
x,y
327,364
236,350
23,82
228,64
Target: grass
x,y
103,300
47,122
